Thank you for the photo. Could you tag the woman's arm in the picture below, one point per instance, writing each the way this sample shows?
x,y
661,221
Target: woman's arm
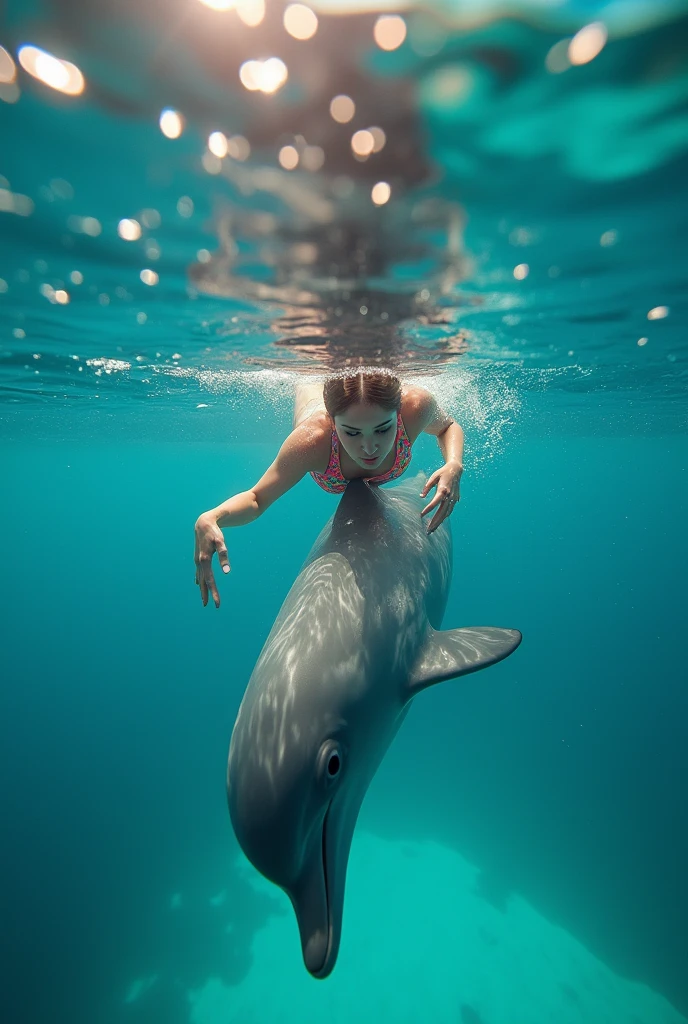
x,y
449,437
431,419
291,464
300,453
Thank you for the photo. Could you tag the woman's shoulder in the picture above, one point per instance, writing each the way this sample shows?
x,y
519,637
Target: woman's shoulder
x,y
416,404
312,438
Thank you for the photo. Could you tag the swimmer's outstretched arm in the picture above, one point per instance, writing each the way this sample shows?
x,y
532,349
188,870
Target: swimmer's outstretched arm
x,y
434,420
296,457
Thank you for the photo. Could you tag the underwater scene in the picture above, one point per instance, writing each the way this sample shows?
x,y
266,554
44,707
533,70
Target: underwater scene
x,y
216,216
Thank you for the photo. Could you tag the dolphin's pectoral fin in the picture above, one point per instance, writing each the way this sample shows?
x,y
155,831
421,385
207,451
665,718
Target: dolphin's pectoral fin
x,y
456,652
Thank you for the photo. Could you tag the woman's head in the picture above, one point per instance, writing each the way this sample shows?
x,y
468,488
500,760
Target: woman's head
x,y
372,387
364,408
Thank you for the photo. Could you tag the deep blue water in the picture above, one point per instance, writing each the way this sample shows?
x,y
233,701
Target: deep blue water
x,y
520,856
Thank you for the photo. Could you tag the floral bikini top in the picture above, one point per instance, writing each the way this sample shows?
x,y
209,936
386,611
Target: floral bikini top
x,y
332,479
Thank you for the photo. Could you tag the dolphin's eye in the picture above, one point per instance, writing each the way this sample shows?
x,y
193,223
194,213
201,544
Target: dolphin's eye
x,y
330,761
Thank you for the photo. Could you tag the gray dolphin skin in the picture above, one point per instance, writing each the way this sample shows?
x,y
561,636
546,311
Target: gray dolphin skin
x,y
357,638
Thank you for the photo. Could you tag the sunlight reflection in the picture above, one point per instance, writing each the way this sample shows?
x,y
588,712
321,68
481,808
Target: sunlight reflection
x,y
251,12
426,35
238,147
185,206
587,43
217,144
363,142
288,157
390,31
448,86
300,21
89,226
557,59
56,296
129,229
312,158
9,92
58,74
379,138
15,202
8,69
219,5
380,193
263,75
171,123
150,218
342,109
211,163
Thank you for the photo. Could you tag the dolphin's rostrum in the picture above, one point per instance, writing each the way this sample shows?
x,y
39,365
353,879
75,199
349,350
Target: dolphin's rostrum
x,y
358,636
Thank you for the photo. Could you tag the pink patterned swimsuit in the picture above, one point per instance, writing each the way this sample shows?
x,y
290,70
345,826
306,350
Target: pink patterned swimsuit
x,y
332,479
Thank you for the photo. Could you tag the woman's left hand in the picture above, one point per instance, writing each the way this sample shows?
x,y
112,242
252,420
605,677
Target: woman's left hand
x,y
446,480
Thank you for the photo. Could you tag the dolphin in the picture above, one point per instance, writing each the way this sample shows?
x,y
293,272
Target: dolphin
x,y
357,638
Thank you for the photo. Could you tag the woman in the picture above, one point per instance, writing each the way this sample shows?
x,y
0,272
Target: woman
x,y
359,425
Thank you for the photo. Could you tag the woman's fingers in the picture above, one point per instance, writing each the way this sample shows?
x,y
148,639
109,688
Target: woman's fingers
x,y
212,586
446,496
428,508
441,495
431,481
204,575
223,557
445,509
438,518
207,580
207,543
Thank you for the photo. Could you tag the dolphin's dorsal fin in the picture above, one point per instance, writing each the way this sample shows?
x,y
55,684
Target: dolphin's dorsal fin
x,y
456,652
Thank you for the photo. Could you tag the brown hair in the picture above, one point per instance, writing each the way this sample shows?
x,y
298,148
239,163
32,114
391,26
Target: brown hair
x,y
375,387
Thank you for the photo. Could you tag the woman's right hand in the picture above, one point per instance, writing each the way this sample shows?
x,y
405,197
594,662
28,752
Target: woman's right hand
x,y
209,539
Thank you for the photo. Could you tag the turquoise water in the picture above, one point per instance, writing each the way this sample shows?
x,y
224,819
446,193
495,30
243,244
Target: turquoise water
x,y
520,855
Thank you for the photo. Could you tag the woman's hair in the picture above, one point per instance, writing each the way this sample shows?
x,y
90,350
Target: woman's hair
x,y
374,387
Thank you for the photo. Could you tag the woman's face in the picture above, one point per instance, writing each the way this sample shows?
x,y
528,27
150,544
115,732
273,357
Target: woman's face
x,y
367,433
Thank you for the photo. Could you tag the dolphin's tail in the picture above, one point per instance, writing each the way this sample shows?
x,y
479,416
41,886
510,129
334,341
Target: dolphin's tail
x,y
456,652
